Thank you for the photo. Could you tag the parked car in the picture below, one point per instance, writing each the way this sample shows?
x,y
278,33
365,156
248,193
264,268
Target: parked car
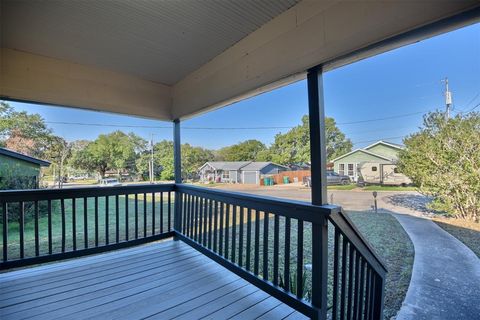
x,y
332,179
110,182
335,178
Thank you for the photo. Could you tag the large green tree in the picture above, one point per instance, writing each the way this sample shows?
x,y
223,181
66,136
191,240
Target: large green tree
x,y
443,160
23,132
294,145
244,151
114,151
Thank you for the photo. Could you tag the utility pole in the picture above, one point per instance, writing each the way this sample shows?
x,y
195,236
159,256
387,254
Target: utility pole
x,y
448,99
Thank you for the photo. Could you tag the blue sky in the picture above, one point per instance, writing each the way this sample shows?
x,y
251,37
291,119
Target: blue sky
x,y
399,82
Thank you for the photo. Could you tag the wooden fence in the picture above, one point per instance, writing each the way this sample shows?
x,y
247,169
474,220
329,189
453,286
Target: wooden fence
x,y
292,176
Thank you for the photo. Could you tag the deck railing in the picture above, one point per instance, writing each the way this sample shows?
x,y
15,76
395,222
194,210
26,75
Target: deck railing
x,y
283,247
309,257
52,224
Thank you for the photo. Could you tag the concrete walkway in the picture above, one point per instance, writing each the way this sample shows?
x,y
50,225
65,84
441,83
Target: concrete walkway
x,y
445,280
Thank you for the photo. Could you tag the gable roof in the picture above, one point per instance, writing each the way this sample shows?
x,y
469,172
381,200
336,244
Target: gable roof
x,y
385,143
362,150
226,165
256,166
23,157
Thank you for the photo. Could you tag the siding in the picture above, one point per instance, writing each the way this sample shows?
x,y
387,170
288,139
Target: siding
x,y
21,168
384,150
358,157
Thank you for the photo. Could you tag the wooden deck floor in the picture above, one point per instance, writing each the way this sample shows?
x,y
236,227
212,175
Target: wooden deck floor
x,y
168,280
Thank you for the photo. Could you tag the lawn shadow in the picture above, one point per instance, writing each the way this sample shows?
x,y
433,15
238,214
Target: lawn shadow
x,y
410,201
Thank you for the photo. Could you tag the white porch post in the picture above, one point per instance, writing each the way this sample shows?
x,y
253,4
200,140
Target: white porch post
x,y
177,164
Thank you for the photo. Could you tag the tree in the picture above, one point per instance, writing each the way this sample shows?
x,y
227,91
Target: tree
x,y
294,145
443,160
114,151
57,152
244,151
23,132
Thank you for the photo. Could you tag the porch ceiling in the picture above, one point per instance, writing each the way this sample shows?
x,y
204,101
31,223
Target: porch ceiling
x,y
175,59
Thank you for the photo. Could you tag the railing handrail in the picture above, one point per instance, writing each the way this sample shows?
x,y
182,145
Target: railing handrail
x,y
286,207
81,192
348,228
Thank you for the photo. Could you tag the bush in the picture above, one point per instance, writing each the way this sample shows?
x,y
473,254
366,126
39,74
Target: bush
x,y
443,159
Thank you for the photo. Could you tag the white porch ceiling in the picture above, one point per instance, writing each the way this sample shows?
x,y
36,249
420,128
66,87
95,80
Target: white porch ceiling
x,y
177,58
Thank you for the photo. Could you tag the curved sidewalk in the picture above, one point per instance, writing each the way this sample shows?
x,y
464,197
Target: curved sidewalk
x,y
445,280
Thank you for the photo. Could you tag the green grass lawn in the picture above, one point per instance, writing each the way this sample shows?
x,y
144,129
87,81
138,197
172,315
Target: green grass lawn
x,y
343,187
29,234
389,188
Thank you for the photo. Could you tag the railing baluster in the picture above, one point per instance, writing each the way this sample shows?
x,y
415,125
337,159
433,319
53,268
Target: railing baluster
x,y
336,257
170,210
136,215
372,295
22,229
96,221
117,220
85,222
234,232
205,221
189,218
74,224
265,245
127,229
276,231
196,216
49,218
5,231
184,213
215,225
107,220
227,227
256,251
249,237
300,259
220,240
200,220
368,286
286,275
344,275
161,212
240,238
357,280
210,214
361,289
350,281
144,215
37,238
153,213
62,208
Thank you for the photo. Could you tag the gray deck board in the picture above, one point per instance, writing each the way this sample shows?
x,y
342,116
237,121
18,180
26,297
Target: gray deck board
x,y
165,280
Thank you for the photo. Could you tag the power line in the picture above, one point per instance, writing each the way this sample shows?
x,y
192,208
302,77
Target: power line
x,y
227,128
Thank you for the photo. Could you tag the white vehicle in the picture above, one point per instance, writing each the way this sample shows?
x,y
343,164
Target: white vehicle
x,y
382,173
110,182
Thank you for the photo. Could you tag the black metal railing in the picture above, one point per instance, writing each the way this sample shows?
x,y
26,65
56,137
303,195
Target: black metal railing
x,y
309,257
51,224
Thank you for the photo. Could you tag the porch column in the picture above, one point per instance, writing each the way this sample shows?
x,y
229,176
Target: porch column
x,y
177,166
177,157
319,189
318,152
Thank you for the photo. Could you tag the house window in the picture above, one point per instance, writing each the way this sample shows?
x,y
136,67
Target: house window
x,y
350,169
374,168
226,175
395,170
341,169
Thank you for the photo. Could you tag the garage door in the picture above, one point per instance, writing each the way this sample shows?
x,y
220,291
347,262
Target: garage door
x,y
250,177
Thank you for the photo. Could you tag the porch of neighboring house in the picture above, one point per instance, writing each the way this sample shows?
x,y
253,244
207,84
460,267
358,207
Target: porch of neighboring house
x,y
223,254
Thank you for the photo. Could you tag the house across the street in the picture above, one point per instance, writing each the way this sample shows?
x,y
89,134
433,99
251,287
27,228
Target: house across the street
x,y
375,164
247,172
17,169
